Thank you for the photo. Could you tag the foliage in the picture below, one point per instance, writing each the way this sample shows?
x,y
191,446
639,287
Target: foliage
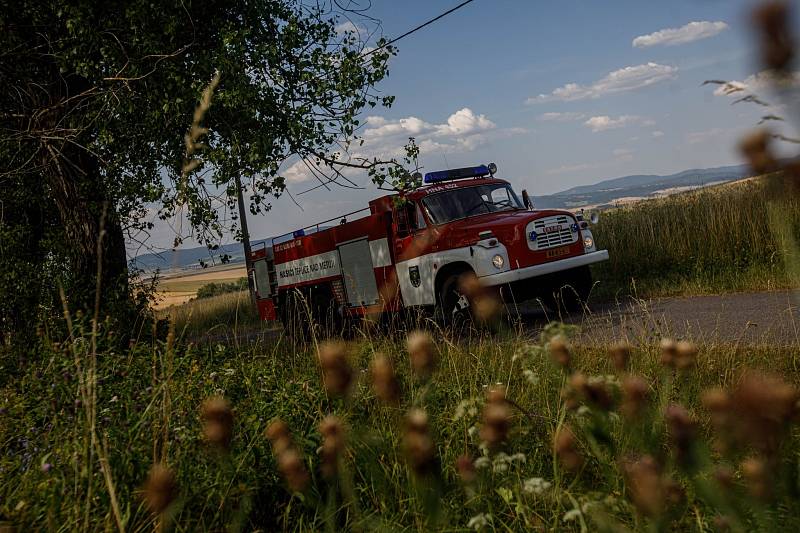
x,y
731,237
215,289
147,409
97,100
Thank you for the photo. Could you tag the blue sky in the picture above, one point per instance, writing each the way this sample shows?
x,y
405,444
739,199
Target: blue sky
x,y
554,92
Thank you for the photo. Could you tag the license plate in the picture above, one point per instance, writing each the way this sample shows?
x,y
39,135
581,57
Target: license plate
x,y
558,252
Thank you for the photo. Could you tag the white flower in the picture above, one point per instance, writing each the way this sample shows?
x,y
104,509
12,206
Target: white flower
x,y
571,515
531,376
535,485
518,457
500,467
479,521
482,462
114,399
472,431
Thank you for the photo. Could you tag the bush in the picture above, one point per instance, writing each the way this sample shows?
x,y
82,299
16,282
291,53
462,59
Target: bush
x,y
215,289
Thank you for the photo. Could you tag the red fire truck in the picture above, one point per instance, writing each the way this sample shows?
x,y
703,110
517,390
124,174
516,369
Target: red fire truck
x,y
410,249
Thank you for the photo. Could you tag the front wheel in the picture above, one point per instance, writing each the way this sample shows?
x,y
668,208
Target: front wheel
x,y
572,294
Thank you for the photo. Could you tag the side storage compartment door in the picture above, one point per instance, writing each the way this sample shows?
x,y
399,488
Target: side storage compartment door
x,y
358,273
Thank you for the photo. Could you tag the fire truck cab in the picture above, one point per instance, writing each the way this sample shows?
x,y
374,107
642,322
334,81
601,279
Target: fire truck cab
x,y
409,250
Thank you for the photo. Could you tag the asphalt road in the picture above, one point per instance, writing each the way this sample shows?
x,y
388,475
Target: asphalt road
x,y
744,318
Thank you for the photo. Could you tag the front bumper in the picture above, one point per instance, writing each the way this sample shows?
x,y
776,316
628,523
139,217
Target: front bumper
x,y
511,276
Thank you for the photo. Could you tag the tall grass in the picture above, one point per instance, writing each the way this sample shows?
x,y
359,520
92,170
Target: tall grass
x,y
231,313
379,463
731,237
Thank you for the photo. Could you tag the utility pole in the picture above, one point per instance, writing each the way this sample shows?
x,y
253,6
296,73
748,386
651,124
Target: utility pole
x,y
245,241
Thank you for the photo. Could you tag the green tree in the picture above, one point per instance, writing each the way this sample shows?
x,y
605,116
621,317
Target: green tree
x,y
95,102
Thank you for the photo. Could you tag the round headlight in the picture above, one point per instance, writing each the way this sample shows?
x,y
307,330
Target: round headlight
x,y
498,261
588,242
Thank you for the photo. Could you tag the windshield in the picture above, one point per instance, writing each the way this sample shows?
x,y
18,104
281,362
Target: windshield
x,y
470,201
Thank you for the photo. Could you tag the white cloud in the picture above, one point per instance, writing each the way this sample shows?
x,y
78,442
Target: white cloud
x,y
605,122
561,117
622,80
758,84
623,154
297,173
565,169
694,31
349,26
657,134
464,121
699,137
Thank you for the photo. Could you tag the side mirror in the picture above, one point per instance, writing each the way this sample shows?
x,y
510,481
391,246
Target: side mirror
x,y
526,199
594,217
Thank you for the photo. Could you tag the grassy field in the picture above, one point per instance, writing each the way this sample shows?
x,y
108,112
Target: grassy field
x,y
734,237
495,432
177,289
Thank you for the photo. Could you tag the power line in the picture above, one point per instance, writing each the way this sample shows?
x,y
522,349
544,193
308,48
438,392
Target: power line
x,y
428,23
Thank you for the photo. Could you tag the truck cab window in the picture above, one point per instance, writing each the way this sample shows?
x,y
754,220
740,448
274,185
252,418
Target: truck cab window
x,y
420,218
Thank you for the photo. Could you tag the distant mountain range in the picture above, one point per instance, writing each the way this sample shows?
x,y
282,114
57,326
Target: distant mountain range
x,y
606,193
618,190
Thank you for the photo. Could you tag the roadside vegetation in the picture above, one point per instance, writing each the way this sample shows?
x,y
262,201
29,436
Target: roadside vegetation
x,y
734,237
502,432
215,289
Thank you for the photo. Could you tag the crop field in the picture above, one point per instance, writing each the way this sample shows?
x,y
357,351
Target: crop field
x,y
176,289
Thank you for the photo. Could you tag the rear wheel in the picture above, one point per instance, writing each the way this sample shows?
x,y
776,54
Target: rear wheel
x,y
455,307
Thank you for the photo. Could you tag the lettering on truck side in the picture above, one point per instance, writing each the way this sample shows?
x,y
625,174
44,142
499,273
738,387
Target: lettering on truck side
x,y
318,266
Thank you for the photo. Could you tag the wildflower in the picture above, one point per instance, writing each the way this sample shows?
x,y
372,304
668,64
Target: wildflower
x,y
681,432
422,352
417,442
160,489
46,467
479,521
496,418
565,446
217,419
724,476
291,465
634,396
336,371
465,468
535,485
763,405
384,381
620,353
333,443
646,490
758,477
484,302
777,41
482,462
278,434
571,515
531,376
669,351
592,391
559,351
685,355
756,149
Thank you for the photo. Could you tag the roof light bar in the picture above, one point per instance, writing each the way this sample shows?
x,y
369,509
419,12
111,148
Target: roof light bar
x,y
457,174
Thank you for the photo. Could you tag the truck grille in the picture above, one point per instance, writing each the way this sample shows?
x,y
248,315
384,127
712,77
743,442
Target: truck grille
x,y
554,237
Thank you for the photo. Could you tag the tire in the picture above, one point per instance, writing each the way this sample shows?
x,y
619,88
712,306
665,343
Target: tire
x,y
573,294
455,307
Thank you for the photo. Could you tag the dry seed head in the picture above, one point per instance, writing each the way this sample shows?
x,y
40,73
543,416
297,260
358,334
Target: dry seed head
x,y
763,407
635,391
620,354
422,351
496,394
756,148
645,485
217,420
384,381
669,351
565,446
417,421
279,436
559,351
160,489
465,468
291,465
417,442
333,444
757,475
724,475
685,355
496,423
682,431
772,19
337,375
